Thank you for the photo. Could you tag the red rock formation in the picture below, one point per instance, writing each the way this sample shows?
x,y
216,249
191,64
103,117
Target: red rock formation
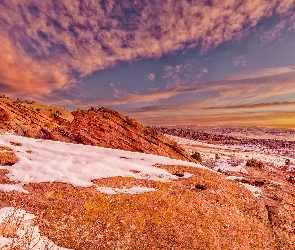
x,y
99,127
108,128
7,156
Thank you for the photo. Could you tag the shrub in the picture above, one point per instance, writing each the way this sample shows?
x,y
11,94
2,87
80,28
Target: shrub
x,y
197,156
15,143
217,157
38,109
254,163
287,162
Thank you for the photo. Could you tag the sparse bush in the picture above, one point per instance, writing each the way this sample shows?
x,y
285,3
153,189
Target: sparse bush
x,y
197,156
291,179
22,233
16,102
254,163
26,133
16,143
29,102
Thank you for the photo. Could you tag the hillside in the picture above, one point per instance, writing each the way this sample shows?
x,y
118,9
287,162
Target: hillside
x,y
264,162
97,127
96,179
85,197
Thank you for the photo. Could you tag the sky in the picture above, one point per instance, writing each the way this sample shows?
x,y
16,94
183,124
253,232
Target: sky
x,y
162,62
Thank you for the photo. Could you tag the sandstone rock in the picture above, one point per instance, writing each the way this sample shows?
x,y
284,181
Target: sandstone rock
x,y
108,128
7,157
98,127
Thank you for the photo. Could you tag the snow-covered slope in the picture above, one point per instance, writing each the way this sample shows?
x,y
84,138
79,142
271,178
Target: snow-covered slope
x,y
49,161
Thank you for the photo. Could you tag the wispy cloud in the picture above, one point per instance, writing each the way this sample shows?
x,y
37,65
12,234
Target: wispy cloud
x,y
150,97
239,61
151,76
49,40
251,106
272,34
256,89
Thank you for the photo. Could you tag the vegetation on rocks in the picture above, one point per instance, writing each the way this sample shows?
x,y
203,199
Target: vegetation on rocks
x,y
254,163
197,156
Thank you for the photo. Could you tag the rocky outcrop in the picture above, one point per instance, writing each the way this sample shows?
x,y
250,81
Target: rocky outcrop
x,y
98,127
7,156
108,128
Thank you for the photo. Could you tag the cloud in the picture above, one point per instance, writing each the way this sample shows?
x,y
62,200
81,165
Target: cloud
x,y
266,85
50,40
21,75
239,61
273,33
151,76
251,106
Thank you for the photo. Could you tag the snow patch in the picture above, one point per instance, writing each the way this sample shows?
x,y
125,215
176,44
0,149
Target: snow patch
x,y
224,165
13,187
132,190
28,235
76,164
254,190
233,178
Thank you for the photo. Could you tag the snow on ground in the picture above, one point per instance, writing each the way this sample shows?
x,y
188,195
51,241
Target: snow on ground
x,y
224,166
28,235
132,190
76,164
13,187
254,190
229,152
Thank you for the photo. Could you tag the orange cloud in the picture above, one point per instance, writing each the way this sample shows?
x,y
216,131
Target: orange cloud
x,y
165,116
21,75
258,105
53,38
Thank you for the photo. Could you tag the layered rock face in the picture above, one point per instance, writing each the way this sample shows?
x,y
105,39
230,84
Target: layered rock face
x,y
108,128
98,127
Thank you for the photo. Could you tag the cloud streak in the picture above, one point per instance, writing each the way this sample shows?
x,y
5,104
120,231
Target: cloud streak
x,y
50,40
251,106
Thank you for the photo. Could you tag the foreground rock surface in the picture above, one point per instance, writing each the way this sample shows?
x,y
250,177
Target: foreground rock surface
x,y
206,211
272,181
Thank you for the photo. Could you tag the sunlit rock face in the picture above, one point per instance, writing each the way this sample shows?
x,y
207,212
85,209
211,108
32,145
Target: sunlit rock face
x,y
99,127
108,128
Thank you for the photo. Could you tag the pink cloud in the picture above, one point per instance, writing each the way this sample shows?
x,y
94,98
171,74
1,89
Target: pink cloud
x,y
273,34
86,36
151,76
21,75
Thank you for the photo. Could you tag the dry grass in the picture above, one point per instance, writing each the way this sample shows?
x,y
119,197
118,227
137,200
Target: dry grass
x,y
22,233
43,109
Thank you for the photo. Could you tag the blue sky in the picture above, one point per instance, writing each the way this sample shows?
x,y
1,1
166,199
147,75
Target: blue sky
x,y
163,62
